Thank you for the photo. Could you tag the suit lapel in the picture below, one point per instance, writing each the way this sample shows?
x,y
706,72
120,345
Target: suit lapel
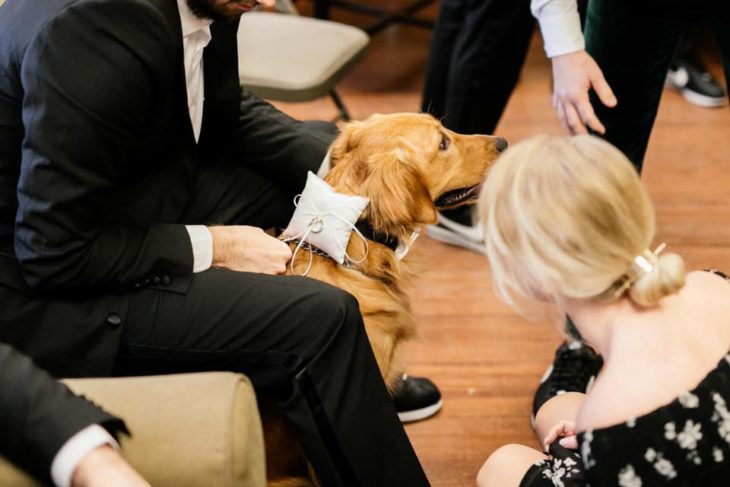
x,y
222,88
171,13
220,71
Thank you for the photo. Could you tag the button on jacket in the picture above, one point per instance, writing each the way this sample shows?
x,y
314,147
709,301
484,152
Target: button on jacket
x,y
97,159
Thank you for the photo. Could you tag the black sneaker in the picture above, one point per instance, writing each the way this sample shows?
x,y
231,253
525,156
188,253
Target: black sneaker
x,y
574,369
455,227
416,398
688,76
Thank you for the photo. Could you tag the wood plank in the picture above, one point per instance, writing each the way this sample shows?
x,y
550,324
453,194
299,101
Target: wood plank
x,y
486,359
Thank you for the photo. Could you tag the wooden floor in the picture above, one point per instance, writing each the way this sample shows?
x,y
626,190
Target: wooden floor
x,y
486,360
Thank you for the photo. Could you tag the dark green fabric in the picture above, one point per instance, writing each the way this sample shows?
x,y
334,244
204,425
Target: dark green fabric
x,y
633,43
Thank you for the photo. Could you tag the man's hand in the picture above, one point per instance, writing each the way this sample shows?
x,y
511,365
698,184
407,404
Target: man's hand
x,y
574,74
248,249
105,467
565,430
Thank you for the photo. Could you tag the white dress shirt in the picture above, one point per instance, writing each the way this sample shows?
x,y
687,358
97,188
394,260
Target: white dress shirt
x,y
560,26
75,449
196,36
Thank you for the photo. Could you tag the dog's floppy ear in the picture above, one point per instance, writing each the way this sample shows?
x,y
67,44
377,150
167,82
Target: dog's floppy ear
x,y
399,199
345,143
347,164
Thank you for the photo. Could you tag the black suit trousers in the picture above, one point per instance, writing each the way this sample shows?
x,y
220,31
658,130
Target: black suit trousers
x,y
299,340
476,55
633,43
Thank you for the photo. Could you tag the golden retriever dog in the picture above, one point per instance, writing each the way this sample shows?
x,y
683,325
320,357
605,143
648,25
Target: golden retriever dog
x,y
409,166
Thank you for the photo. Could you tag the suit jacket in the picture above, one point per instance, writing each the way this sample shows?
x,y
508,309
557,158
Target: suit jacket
x,y
38,415
97,159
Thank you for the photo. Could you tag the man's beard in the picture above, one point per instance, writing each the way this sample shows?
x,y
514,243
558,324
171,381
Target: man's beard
x,y
207,10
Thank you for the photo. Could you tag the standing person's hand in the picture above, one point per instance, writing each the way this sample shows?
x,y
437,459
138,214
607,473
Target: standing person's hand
x,y
574,75
248,249
105,467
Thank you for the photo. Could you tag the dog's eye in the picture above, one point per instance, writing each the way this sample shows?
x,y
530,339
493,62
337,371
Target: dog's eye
x,y
445,143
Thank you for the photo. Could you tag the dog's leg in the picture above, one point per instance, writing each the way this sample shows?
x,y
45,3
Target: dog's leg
x,y
285,462
383,345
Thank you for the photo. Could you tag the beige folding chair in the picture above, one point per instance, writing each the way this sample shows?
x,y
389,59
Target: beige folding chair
x,y
287,57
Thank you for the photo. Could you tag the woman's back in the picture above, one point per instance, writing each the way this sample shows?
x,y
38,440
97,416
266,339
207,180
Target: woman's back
x,y
658,353
659,412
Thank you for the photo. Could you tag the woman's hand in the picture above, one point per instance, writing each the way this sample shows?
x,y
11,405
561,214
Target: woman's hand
x,y
565,430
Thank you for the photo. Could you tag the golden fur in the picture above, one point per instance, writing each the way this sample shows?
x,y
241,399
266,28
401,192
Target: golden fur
x,y
403,163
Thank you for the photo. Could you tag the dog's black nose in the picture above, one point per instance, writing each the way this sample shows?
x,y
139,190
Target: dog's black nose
x,y
500,143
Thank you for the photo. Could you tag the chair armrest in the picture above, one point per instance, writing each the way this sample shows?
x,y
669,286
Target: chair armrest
x,y
187,429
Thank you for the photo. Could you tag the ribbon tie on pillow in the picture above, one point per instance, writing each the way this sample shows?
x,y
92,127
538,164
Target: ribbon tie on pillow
x,y
325,219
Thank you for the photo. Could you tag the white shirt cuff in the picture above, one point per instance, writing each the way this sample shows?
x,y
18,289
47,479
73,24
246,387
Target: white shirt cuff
x,y
324,168
562,33
202,243
75,449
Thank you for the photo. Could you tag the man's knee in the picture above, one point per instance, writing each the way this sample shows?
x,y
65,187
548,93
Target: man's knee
x,y
336,310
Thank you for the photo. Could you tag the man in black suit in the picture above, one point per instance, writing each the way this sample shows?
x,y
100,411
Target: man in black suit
x,y
124,138
54,435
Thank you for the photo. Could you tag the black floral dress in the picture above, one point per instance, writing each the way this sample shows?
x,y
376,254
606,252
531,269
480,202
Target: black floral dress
x,y
684,443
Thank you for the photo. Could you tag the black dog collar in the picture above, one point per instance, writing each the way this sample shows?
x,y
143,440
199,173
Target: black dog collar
x,y
366,229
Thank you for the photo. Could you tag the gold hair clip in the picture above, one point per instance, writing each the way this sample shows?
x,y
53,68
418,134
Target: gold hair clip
x,y
643,263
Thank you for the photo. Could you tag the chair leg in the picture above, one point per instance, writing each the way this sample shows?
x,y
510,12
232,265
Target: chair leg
x,y
322,9
343,113
385,17
286,7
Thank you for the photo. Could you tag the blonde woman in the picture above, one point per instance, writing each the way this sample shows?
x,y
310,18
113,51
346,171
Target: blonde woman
x,y
569,224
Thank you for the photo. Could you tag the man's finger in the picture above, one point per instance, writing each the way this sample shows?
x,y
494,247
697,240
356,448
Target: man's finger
x,y
283,249
561,116
574,121
603,90
585,110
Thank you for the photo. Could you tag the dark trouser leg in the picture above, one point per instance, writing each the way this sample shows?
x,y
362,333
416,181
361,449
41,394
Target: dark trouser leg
x,y
633,43
299,339
445,33
302,341
486,63
717,13
477,52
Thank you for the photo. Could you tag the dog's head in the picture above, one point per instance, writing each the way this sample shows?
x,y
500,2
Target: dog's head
x,y
410,166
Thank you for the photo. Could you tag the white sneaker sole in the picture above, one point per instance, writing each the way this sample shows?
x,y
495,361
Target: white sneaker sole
x,y
419,414
450,237
702,100
677,81
474,233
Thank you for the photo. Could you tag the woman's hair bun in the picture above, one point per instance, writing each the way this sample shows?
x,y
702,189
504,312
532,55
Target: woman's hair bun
x,y
666,277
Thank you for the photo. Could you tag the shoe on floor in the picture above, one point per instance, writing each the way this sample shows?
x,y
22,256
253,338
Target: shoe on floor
x,y
688,76
416,398
574,369
462,234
